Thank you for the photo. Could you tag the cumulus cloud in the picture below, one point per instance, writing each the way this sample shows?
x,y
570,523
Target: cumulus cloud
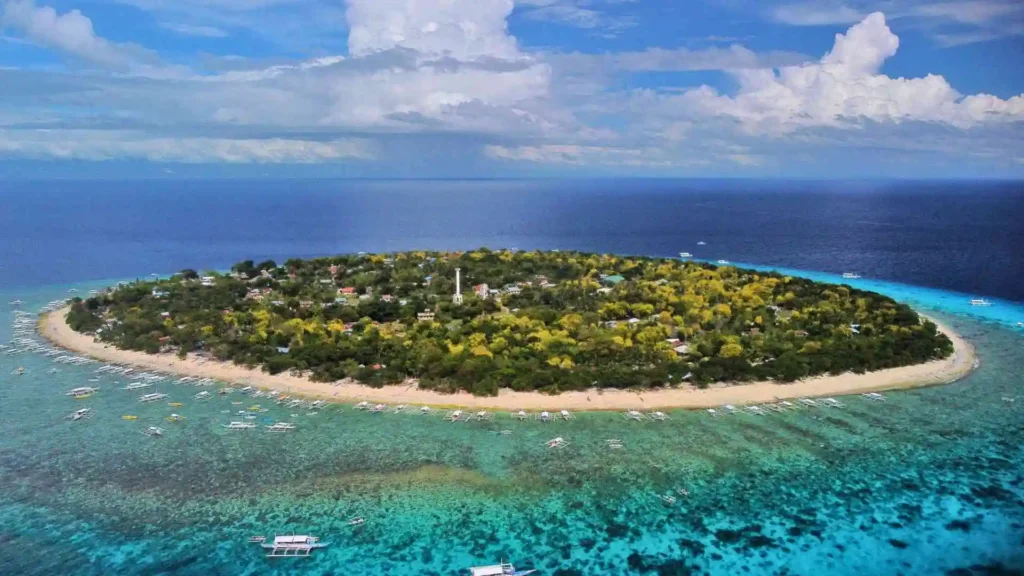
x,y
71,32
100,145
845,87
461,28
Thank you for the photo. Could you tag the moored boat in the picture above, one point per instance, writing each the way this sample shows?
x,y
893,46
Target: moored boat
x,y
291,546
501,569
82,392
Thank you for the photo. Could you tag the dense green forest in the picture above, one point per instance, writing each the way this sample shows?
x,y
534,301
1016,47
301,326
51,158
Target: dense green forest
x,y
548,321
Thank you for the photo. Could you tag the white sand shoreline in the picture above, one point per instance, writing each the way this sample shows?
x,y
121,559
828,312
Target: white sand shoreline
x,y
54,328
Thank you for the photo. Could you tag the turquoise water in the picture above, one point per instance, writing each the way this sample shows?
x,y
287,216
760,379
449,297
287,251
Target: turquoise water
x,y
928,482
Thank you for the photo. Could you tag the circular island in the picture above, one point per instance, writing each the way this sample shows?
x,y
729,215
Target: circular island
x,y
515,329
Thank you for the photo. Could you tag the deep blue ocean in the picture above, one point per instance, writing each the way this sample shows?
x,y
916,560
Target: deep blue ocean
x,y
954,235
931,481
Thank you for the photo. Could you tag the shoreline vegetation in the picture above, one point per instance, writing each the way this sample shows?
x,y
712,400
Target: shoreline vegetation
x,y
610,330
54,328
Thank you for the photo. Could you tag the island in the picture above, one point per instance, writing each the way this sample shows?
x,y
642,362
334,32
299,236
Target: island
x,y
443,327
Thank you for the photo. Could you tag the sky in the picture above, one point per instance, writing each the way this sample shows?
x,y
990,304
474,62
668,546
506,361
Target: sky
x,y
512,88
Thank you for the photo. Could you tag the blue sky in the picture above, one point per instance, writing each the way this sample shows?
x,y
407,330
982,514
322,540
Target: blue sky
x,y
476,88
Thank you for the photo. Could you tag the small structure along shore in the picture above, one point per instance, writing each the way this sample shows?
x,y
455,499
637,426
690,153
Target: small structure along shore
x,y
54,328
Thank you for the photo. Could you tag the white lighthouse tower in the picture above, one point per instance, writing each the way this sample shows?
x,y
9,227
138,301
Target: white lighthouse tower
x,y
457,298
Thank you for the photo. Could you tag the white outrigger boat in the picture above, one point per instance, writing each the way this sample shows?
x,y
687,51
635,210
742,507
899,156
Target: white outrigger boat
x,y
153,397
138,386
874,396
613,443
79,414
565,415
980,302
202,395
557,443
657,416
357,521
240,425
501,569
82,392
634,415
291,546
722,262
281,427
685,255
545,417
521,415
153,431
851,275
454,416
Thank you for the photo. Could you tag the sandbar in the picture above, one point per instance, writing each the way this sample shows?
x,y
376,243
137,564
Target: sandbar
x,y
54,328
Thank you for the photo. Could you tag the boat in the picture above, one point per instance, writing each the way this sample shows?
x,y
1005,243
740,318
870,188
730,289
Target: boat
x,y
82,392
685,255
153,397
1020,324
257,539
175,404
175,418
292,546
202,395
722,262
79,414
557,443
137,386
357,521
501,569
239,425
980,302
545,417
15,302
281,427
20,370
667,499
153,431
851,275
873,396
701,243
129,417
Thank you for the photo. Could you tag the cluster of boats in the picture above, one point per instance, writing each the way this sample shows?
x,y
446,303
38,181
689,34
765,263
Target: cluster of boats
x,y
786,405
637,416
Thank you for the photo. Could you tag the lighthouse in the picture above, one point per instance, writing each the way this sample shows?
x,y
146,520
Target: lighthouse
x,y
457,298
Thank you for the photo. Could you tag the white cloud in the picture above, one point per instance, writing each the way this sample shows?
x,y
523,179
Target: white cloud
x,y
71,32
734,57
845,87
194,30
577,155
815,14
578,14
463,29
102,145
976,12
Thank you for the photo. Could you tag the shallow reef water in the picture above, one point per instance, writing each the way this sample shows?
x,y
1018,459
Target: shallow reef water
x,y
927,482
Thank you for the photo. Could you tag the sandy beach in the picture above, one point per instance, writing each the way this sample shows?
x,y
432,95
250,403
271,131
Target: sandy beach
x,y
55,329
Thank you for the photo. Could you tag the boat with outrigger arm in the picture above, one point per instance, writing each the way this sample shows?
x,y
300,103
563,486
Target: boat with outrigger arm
x,y
501,569
289,546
